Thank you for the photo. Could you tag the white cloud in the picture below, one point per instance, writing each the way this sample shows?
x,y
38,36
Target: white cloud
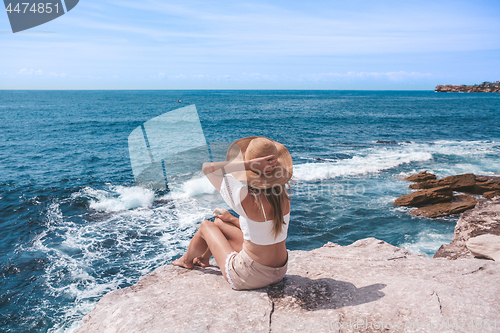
x,y
261,77
58,74
26,71
39,72
324,28
162,76
395,76
392,76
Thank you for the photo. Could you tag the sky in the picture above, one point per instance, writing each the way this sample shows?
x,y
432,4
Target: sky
x,y
314,44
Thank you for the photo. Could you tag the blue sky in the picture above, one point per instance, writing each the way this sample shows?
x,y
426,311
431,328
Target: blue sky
x,y
332,44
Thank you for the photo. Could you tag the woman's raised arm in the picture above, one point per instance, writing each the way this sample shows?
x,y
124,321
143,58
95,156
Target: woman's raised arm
x,y
216,170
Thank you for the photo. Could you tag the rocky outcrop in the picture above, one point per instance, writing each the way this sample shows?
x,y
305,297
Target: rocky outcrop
x,y
463,183
438,197
368,286
459,204
485,246
421,176
467,182
483,87
390,142
483,219
424,197
491,194
486,184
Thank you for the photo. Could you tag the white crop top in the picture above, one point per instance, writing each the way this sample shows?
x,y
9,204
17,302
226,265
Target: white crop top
x,y
260,233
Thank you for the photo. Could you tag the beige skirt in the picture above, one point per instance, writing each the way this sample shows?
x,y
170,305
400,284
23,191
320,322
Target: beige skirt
x,y
245,273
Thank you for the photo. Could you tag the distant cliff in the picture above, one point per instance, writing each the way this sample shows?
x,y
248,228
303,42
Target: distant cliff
x,y
483,87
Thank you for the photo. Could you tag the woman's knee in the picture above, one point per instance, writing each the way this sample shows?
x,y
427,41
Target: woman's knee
x,y
206,225
218,222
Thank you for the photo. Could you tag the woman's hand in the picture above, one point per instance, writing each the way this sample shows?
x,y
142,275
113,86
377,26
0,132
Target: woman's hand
x,y
262,165
224,215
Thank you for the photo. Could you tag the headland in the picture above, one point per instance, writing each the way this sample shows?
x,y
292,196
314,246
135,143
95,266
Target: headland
x,y
484,87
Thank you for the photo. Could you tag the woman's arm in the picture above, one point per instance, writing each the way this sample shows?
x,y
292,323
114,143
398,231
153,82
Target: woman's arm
x,y
216,170
226,216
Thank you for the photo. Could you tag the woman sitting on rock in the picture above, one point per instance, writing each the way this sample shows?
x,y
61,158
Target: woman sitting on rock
x,y
250,250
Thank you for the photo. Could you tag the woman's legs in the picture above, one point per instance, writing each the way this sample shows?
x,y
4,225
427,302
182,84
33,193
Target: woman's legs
x,y
234,236
208,236
197,244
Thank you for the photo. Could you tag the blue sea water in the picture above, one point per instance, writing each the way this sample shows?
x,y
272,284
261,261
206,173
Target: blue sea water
x,y
75,225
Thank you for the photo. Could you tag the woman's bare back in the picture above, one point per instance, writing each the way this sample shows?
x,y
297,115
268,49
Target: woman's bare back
x,y
274,255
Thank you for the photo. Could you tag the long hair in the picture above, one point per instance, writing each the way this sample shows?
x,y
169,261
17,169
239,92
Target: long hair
x,y
276,196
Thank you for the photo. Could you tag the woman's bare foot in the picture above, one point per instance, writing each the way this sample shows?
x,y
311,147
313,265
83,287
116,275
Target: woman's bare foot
x,y
181,262
201,261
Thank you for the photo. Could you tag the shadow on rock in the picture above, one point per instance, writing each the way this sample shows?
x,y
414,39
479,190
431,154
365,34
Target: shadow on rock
x,y
323,293
214,270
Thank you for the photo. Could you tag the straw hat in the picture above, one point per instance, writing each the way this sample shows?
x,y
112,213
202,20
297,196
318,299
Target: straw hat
x,y
258,146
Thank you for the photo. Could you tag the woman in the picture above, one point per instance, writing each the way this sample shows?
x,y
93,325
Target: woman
x,y
250,251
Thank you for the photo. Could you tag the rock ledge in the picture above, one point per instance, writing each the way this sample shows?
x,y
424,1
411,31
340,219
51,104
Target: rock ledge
x,y
482,220
354,288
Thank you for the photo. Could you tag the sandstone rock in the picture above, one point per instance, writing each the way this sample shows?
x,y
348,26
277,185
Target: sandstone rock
x,y
491,194
453,251
481,178
483,219
172,299
486,184
390,142
459,204
485,246
420,177
463,182
367,286
425,197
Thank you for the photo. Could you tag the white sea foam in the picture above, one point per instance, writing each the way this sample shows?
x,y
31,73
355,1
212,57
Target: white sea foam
x,y
118,198
427,242
198,186
479,157
372,161
462,147
131,239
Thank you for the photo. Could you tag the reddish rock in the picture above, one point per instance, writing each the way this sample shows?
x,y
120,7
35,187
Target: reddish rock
x,y
425,197
491,194
420,177
442,203
463,182
459,204
480,178
486,184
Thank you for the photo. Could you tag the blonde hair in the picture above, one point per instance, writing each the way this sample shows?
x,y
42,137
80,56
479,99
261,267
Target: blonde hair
x,y
276,196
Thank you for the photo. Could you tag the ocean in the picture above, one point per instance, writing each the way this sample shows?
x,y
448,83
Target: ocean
x,y
75,225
